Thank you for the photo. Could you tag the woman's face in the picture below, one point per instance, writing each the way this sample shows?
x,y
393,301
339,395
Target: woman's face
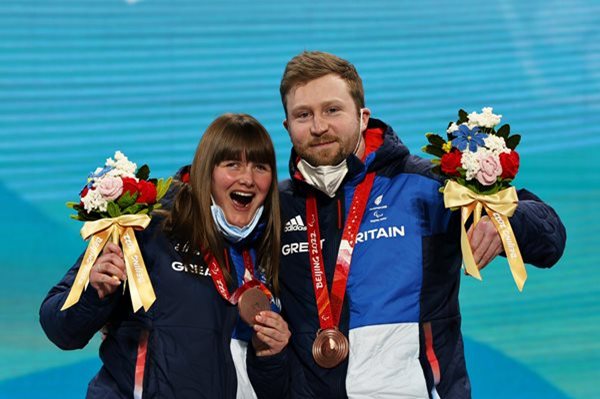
x,y
240,188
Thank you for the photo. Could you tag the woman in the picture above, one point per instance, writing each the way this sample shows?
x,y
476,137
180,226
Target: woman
x,y
225,219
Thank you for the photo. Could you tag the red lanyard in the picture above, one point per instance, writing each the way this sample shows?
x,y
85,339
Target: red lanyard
x,y
249,281
330,310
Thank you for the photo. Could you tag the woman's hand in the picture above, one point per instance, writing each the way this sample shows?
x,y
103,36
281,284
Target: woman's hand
x,y
271,333
108,271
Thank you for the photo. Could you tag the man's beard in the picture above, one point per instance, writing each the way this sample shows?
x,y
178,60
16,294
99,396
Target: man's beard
x,y
317,159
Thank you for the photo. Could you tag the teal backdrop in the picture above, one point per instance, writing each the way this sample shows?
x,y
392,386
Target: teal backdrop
x,y
80,79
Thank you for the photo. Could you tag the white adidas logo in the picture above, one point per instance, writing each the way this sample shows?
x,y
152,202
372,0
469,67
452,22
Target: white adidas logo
x,y
294,224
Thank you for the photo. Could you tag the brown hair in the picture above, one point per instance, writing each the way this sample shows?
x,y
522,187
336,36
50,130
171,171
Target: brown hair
x,y
311,65
229,137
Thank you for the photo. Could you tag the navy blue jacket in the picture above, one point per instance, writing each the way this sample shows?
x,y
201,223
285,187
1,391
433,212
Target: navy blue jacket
x,y
401,311
186,333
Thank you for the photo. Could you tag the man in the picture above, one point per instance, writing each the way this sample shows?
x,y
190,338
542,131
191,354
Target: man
x,y
359,199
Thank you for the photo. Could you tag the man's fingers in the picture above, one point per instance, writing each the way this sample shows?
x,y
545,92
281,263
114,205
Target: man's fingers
x,y
485,242
476,234
492,251
483,236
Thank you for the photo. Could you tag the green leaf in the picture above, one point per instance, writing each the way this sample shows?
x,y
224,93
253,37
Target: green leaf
x,y
430,149
72,205
504,131
86,217
126,200
143,172
436,161
113,209
435,139
462,116
133,209
513,141
437,170
162,187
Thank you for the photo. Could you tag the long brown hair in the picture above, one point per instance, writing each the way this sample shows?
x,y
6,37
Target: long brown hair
x,y
229,137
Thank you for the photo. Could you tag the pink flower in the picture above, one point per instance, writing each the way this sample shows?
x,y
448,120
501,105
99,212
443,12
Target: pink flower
x,y
489,169
110,188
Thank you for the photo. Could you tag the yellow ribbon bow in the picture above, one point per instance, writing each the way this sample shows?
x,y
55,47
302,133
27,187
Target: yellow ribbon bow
x,y
499,207
120,228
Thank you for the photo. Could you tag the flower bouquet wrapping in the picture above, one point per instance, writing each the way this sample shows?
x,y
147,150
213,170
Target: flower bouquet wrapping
x,y
478,163
116,200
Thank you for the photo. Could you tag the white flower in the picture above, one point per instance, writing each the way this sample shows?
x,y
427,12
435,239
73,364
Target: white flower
x,y
93,201
485,119
452,128
495,144
122,167
470,163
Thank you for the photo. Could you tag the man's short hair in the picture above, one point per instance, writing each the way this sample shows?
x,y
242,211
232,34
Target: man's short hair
x,y
311,65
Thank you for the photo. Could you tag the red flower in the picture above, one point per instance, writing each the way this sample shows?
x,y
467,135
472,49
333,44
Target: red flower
x,y
510,164
130,185
147,192
185,178
451,162
82,195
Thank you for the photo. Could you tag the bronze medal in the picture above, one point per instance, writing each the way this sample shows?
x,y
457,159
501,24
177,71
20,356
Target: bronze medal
x,y
330,348
251,303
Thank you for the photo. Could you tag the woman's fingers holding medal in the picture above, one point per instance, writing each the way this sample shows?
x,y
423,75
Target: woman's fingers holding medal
x,y
271,333
108,271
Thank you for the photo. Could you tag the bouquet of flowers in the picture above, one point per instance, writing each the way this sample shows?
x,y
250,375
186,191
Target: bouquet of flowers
x,y
478,163
116,200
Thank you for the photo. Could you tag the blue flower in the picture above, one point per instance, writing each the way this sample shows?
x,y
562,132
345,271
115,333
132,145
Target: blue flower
x,y
464,137
93,176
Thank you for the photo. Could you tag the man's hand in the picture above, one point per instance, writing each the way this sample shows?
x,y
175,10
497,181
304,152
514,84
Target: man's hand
x,y
271,333
108,271
485,242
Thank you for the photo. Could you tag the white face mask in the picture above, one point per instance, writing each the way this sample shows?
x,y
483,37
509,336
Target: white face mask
x,y
233,233
328,178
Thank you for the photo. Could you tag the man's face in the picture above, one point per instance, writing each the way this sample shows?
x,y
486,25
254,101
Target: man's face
x,y
323,122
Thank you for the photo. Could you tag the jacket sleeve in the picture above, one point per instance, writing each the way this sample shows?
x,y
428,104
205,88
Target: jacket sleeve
x,y
277,377
539,231
73,328
269,375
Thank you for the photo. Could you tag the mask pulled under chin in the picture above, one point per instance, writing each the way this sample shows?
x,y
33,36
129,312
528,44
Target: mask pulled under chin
x,y
326,178
230,232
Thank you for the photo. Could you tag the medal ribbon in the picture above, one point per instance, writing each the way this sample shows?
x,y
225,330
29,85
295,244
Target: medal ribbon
x,y
330,309
249,281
